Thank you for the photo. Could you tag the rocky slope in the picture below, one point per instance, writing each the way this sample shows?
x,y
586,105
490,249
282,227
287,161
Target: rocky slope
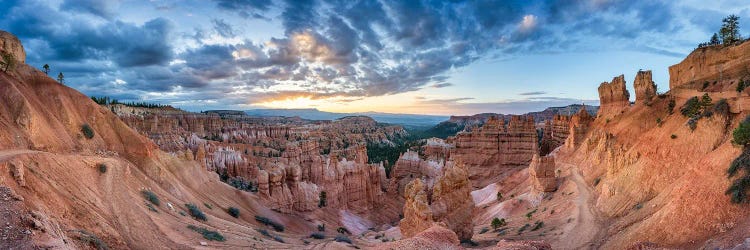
x,y
712,68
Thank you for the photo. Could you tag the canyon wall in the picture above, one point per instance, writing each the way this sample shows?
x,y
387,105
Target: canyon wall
x,y
556,131
11,45
495,150
720,68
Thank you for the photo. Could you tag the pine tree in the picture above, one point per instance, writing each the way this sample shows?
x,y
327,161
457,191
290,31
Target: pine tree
x,y
61,78
730,30
715,39
46,69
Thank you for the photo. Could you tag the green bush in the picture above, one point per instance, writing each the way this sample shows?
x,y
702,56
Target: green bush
x,y
673,136
151,197
208,205
87,131
499,196
741,85
322,227
196,212
234,212
741,134
497,223
268,222
208,234
319,236
102,168
671,105
523,228
538,225
691,108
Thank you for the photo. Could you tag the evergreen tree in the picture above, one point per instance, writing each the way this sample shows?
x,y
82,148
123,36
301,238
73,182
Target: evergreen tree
x,y
46,69
61,78
715,39
730,30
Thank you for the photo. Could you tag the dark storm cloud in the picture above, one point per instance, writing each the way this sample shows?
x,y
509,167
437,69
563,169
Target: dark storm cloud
x,y
331,48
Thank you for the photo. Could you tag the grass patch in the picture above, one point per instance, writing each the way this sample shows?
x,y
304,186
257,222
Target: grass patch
x,y
208,234
196,212
151,197
268,222
234,212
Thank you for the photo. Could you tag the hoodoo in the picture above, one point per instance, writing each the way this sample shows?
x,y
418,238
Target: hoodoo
x,y
613,97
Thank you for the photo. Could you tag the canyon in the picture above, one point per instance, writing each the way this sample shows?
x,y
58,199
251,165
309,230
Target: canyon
x,y
632,175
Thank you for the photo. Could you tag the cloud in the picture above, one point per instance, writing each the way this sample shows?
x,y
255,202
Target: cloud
x,y
224,29
533,93
441,85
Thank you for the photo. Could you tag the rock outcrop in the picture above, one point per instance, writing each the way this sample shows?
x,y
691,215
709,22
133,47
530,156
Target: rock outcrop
x,y
11,45
579,126
645,88
719,68
613,97
449,202
542,173
556,131
437,237
495,150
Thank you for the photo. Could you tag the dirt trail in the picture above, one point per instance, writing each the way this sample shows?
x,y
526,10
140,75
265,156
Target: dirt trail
x,y
587,228
4,154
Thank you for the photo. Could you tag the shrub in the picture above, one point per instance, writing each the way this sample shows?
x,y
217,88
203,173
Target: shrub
x,y
343,230
523,228
721,107
234,212
269,235
673,136
151,197
538,225
102,168
322,201
183,213
342,238
196,212
499,196
693,123
706,100
322,227
658,121
705,85
497,223
469,242
92,239
268,222
208,234
741,85
741,134
87,131
484,230
637,206
208,205
319,236
691,108
529,214
597,180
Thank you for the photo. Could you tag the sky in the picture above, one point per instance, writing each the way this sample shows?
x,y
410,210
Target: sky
x,y
424,57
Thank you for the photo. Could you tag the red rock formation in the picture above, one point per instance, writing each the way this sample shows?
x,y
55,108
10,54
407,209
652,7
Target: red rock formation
x,y
722,67
409,167
613,97
579,126
492,150
11,45
448,202
645,88
437,237
542,173
555,133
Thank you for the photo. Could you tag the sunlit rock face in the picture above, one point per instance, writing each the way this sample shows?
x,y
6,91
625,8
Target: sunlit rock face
x,y
579,126
613,97
11,45
556,131
645,88
496,149
712,68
